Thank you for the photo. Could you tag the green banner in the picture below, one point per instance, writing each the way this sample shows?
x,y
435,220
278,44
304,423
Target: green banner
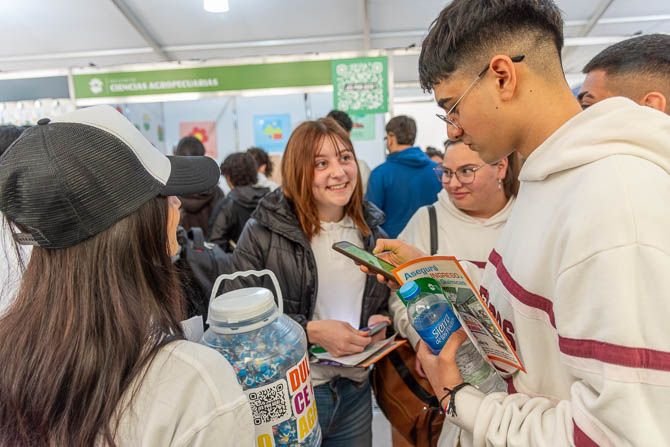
x,y
202,79
360,85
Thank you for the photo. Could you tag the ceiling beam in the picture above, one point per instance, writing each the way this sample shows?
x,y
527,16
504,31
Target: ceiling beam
x,y
569,42
602,7
366,26
618,20
142,30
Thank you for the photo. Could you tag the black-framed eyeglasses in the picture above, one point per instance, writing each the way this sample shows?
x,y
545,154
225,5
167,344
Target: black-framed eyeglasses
x,y
465,174
447,118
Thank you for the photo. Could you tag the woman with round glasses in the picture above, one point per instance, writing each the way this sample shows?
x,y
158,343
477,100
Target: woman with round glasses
x,y
471,211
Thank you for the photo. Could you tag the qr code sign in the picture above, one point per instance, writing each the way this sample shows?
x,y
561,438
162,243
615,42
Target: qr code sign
x,y
359,85
270,404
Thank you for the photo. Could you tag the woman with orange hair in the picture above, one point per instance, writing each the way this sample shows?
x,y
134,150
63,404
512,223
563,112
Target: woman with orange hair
x,y
291,233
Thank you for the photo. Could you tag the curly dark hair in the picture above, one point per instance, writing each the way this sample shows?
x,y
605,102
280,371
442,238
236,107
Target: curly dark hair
x,y
262,158
240,168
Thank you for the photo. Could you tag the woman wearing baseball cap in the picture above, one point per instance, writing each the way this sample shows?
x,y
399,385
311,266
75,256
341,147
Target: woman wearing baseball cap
x,y
92,348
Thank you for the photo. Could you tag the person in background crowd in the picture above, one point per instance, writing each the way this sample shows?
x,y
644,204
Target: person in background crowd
x,y
637,68
291,233
470,212
435,154
197,209
264,166
579,275
405,181
239,170
12,267
100,278
344,120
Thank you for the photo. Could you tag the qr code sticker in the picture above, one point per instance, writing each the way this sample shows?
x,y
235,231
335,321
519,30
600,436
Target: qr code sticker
x,y
359,86
270,404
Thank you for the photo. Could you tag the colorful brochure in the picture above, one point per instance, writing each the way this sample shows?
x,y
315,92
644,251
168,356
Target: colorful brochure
x,y
369,356
475,316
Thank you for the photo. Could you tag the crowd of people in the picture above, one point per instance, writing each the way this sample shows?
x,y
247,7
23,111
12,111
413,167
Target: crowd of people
x,y
554,203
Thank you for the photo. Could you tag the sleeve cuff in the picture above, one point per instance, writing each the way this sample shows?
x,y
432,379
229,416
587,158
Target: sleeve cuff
x,y
468,401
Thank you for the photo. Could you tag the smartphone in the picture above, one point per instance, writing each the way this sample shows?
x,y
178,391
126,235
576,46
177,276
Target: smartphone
x,y
372,262
375,328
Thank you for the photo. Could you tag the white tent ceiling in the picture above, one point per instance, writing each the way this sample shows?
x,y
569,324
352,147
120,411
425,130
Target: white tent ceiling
x,y
62,34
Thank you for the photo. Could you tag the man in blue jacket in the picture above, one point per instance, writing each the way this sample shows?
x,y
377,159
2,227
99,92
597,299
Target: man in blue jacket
x,y
406,180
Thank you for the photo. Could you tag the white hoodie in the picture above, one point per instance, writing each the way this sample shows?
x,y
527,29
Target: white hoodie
x,y
459,235
580,279
188,396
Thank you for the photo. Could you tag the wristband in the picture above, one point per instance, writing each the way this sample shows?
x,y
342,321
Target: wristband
x,y
451,407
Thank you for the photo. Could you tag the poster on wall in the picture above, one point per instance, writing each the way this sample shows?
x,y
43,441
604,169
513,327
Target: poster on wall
x,y
148,119
271,132
364,127
205,131
360,85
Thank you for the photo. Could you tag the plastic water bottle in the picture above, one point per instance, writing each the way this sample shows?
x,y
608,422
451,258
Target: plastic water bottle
x,y
430,313
476,371
432,316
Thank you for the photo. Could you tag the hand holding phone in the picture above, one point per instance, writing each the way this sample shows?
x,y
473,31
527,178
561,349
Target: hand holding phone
x,y
375,328
360,256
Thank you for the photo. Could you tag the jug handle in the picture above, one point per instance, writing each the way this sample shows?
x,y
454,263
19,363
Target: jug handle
x,y
246,273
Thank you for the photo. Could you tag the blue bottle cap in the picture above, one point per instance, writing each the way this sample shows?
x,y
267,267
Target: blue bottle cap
x,y
409,291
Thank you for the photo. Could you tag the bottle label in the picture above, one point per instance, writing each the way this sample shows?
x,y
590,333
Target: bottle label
x,y
435,334
302,399
285,409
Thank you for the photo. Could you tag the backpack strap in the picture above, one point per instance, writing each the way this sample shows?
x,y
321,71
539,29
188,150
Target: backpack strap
x,y
432,215
215,213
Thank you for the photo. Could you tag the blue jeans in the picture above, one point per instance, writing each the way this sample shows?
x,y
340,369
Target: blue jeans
x,y
345,413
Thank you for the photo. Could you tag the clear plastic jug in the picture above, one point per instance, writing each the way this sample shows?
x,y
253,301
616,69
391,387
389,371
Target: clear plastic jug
x,y
268,351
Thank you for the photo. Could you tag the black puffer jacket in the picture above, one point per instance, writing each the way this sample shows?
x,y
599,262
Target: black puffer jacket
x,y
197,209
234,213
273,239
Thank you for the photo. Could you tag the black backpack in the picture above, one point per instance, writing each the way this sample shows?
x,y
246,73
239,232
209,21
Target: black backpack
x,y
198,266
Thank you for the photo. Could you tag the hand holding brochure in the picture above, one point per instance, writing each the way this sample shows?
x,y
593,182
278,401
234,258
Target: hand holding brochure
x,y
473,312
372,353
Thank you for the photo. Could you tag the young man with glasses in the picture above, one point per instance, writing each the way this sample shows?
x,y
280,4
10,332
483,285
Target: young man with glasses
x,y
579,276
